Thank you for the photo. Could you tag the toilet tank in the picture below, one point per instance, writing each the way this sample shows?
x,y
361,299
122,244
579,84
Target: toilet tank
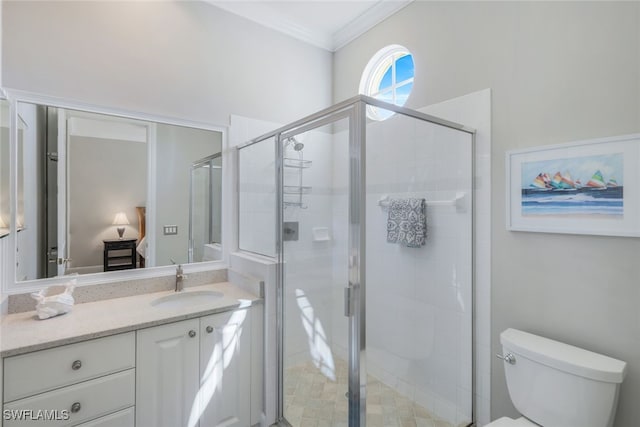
x,y
559,385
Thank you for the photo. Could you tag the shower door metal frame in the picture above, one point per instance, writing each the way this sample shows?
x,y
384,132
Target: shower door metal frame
x,y
355,295
356,246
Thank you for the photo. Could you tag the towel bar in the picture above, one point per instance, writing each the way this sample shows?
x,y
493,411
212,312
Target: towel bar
x,y
458,202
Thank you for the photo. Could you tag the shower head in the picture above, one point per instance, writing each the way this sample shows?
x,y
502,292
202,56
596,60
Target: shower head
x,y
297,146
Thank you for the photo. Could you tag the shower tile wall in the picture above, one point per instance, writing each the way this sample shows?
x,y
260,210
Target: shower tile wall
x,y
418,300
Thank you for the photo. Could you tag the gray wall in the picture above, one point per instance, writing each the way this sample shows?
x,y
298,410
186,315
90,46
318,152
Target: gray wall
x,y
177,58
559,72
178,147
106,176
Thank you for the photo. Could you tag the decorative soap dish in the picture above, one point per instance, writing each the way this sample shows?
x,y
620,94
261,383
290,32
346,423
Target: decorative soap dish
x,y
54,300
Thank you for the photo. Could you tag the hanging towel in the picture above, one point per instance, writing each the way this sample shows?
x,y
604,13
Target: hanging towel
x,y
407,222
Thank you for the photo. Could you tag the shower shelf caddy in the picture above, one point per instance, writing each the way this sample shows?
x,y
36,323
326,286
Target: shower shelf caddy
x,y
296,190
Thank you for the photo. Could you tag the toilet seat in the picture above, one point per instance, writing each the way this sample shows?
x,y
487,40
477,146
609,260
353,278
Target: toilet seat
x,y
510,422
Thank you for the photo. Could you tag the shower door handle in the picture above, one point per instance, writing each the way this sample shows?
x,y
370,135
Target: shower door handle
x,y
348,301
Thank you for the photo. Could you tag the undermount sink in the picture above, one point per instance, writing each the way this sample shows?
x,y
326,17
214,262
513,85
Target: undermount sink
x,y
186,298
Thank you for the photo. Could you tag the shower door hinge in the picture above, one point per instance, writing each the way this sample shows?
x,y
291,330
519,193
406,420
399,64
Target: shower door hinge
x,y
348,301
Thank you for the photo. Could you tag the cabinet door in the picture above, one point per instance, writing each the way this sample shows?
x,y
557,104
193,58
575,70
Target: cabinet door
x,y
225,369
167,374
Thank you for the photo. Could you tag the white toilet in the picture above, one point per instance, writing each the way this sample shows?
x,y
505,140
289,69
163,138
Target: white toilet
x,y
558,385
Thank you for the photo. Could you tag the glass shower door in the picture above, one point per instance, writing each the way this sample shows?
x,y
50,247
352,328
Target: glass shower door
x,y
317,349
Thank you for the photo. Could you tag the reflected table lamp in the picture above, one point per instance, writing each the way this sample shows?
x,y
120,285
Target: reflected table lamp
x,y
121,220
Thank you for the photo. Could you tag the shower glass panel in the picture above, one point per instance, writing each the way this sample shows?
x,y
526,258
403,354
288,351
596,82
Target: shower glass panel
x,y
419,293
315,273
257,198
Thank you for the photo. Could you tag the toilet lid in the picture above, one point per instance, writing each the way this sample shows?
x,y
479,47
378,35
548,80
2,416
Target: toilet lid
x,y
510,422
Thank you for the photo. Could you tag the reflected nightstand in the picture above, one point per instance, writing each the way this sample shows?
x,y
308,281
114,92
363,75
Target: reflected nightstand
x,y
119,254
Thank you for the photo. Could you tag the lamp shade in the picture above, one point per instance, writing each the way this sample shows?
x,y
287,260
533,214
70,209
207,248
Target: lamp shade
x,y
121,219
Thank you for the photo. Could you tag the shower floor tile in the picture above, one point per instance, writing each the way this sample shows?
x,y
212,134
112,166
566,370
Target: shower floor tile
x,y
313,400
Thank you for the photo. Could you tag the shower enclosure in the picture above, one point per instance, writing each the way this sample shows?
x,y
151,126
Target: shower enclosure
x,y
373,330
205,199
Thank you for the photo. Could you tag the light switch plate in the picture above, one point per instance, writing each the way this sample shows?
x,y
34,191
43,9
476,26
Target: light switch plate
x,y
170,230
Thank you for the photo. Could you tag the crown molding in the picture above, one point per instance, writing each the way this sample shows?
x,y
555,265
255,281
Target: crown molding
x,y
263,14
369,19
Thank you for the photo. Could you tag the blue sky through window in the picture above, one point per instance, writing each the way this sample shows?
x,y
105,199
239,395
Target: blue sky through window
x,y
404,68
402,93
388,77
386,80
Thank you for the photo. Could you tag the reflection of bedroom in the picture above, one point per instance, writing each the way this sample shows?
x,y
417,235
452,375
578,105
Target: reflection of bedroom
x,y
111,178
107,190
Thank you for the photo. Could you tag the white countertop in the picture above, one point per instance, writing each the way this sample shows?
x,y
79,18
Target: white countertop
x,y
24,332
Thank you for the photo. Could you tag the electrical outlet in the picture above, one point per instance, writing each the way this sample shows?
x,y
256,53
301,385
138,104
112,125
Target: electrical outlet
x,y
170,230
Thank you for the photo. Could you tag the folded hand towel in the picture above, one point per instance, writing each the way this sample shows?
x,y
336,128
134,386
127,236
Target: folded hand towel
x,y
54,300
407,222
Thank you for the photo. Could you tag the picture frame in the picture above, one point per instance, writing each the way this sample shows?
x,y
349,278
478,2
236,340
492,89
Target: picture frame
x,y
586,187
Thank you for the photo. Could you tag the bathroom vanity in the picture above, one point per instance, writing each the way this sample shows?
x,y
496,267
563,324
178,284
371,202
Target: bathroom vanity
x,y
158,359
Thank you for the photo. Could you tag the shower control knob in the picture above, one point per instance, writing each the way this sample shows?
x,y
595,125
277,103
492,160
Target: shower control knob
x,y
508,358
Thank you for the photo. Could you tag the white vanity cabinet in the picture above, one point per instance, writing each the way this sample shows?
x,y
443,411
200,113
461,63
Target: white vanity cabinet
x,y
225,369
195,373
72,384
167,380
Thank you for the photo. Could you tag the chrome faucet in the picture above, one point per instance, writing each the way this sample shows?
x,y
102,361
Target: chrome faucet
x,y
179,278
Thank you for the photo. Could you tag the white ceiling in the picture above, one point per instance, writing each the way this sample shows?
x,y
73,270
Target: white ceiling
x,y
328,24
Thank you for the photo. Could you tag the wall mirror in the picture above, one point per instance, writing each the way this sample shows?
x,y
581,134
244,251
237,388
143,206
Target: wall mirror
x,y
5,220
104,193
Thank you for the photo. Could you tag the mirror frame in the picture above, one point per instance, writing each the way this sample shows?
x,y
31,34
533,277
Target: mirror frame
x,y
3,97
8,262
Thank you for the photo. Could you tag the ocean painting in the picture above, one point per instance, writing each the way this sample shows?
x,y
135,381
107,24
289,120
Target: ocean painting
x,y
578,186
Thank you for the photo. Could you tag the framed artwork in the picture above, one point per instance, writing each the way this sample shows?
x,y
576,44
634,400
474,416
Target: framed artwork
x,y
585,187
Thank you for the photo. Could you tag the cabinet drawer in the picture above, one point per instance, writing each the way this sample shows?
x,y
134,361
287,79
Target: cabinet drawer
x,y
123,244
124,418
45,370
94,399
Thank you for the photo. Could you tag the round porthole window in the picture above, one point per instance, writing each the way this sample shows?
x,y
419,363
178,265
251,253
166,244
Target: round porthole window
x,y
388,77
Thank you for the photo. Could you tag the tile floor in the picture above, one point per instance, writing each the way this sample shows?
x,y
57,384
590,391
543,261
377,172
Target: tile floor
x,y
313,400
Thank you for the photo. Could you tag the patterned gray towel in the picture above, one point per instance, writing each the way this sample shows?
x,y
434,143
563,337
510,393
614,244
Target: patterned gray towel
x,y
407,222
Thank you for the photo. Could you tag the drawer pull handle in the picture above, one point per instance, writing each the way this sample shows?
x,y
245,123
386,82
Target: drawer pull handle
x,y
192,333
75,408
209,329
76,365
